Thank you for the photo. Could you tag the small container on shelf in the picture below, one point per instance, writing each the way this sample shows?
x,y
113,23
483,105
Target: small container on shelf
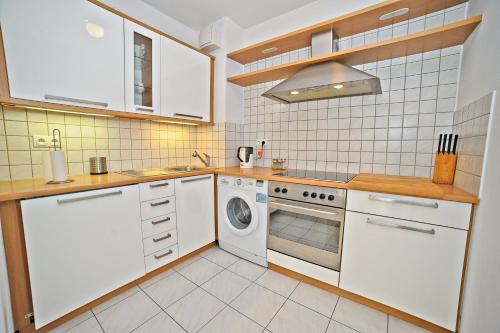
x,y
446,160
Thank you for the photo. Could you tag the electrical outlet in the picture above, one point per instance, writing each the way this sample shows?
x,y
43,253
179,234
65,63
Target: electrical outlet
x,y
45,141
260,142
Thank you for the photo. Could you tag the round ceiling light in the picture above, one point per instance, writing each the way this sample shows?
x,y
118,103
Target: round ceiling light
x,y
294,92
394,14
94,29
338,86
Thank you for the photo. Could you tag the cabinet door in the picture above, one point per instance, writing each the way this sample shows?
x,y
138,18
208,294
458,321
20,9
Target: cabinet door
x,y
60,51
81,246
195,212
405,265
185,76
142,69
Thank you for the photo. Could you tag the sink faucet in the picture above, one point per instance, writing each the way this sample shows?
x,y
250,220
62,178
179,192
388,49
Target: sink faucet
x,y
205,160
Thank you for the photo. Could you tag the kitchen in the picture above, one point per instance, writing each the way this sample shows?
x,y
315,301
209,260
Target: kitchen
x,y
292,166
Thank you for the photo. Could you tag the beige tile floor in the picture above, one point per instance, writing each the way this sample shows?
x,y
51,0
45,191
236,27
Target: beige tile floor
x,y
218,292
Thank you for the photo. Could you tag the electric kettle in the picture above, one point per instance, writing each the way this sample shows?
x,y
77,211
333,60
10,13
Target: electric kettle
x,y
245,155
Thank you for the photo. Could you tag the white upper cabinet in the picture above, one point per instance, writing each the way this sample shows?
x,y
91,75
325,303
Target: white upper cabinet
x,y
142,69
185,76
60,51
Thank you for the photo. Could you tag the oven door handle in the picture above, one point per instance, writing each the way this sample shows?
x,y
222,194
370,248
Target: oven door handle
x,y
303,210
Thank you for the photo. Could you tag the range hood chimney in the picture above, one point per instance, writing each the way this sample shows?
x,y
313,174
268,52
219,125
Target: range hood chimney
x,y
325,80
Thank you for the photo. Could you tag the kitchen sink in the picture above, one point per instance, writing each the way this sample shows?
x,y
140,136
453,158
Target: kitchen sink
x,y
138,173
187,168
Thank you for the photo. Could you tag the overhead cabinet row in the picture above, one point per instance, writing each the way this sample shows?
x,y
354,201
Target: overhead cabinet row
x,y
77,53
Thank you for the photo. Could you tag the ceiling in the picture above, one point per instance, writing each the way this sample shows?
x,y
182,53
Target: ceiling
x,y
196,14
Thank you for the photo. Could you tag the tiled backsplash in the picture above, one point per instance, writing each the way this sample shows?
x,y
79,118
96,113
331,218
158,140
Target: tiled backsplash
x,y
126,143
471,123
391,133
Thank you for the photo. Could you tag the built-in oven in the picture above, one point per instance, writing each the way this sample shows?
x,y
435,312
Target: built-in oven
x,y
306,222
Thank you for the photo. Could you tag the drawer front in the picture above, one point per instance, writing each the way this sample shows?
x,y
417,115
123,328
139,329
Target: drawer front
x,y
439,212
160,241
156,190
160,258
157,207
413,267
158,225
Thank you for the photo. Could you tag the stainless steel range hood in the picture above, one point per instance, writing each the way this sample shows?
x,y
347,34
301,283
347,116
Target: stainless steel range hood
x,y
324,80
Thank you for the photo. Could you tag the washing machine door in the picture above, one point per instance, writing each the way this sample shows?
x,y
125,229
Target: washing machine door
x,y
241,214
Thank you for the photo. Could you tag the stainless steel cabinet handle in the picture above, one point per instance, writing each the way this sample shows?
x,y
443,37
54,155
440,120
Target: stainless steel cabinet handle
x,y
159,256
404,201
399,226
194,179
88,197
159,239
297,209
75,100
158,185
187,115
144,108
159,203
161,221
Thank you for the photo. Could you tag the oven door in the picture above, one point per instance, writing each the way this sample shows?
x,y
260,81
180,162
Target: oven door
x,y
309,232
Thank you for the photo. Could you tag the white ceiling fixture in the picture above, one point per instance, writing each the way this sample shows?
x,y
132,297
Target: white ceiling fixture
x,y
198,13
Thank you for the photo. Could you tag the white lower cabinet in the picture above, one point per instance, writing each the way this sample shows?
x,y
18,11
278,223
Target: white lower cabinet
x,y
411,266
195,212
81,246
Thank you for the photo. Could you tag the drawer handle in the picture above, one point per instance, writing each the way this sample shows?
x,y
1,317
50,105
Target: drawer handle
x,y
159,239
88,197
399,226
194,179
154,204
158,185
75,100
159,256
404,201
187,115
161,221
144,108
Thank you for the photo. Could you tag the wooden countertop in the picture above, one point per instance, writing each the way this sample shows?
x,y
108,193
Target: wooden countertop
x,y
30,188
411,186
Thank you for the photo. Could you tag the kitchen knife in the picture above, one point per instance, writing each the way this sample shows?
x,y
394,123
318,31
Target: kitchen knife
x,y
450,139
443,148
455,145
439,144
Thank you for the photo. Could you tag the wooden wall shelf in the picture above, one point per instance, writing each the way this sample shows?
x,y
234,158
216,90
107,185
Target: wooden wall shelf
x,y
433,39
350,24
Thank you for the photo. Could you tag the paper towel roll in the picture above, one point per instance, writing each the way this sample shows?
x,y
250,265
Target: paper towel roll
x,y
58,161
47,166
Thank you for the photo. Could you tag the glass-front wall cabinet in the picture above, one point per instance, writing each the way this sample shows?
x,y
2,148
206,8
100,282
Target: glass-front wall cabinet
x,y
142,69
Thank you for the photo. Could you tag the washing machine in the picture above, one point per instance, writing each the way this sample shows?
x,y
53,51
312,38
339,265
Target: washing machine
x,y
242,218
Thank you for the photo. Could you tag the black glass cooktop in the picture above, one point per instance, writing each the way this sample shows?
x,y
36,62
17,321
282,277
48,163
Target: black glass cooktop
x,y
339,177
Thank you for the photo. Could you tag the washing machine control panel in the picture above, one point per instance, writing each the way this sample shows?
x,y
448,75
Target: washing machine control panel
x,y
244,183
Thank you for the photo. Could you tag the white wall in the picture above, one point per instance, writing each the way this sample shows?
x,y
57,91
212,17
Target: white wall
x,y
480,75
228,99
301,17
151,16
6,324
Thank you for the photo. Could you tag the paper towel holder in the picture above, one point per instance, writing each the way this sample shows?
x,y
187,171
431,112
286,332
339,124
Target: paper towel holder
x,y
55,149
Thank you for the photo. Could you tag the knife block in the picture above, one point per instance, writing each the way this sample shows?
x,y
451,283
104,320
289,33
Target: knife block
x,y
444,168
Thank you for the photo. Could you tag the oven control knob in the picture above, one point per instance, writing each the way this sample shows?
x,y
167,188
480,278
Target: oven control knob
x,y
313,195
331,197
277,190
305,194
322,196
284,190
